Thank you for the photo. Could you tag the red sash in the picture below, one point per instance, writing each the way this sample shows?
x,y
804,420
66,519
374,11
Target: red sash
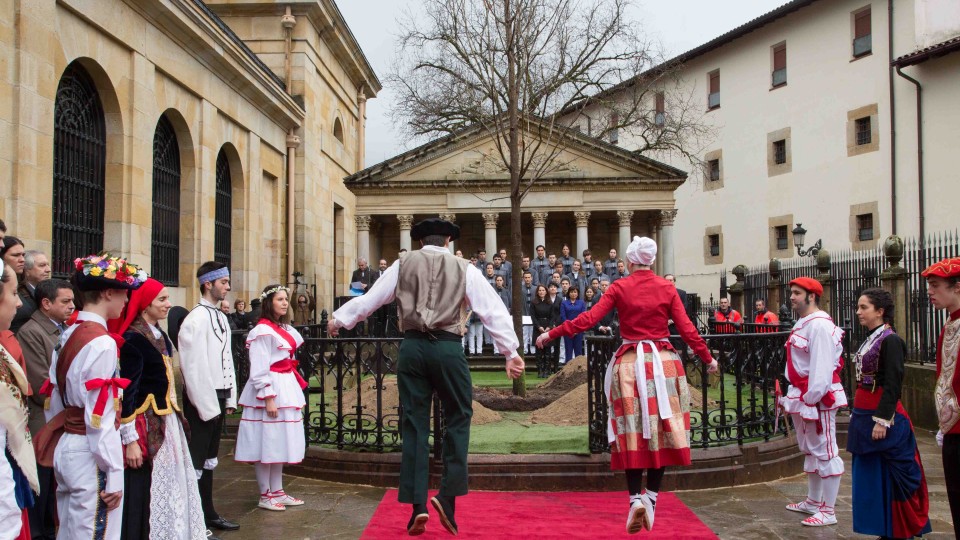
x,y
802,383
291,364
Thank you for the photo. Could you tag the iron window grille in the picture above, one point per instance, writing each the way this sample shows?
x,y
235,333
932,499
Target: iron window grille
x,y
781,236
714,245
79,170
863,131
865,227
714,165
780,152
224,210
165,234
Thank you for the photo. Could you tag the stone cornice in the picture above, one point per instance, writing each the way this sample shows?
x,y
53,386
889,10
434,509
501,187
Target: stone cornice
x,y
503,185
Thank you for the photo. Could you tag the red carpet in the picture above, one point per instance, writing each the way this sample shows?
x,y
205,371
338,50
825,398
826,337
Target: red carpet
x,y
491,515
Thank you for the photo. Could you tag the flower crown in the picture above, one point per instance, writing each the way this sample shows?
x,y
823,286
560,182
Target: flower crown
x,y
108,267
268,292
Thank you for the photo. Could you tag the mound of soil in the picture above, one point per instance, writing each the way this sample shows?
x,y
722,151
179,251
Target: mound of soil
x,y
569,410
391,401
573,374
504,400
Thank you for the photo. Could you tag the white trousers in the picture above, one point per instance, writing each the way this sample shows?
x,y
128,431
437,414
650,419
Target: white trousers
x,y
475,337
821,454
9,511
528,339
79,482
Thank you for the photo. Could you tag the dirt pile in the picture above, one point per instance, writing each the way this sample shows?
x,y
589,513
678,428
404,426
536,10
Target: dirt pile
x,y
390,396
573,374
569,410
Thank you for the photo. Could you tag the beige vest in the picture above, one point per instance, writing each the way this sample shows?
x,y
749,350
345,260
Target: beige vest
x,y
431,292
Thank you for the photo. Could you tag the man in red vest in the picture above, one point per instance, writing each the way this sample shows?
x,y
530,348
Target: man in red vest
x,y
814,362
764,316
728,319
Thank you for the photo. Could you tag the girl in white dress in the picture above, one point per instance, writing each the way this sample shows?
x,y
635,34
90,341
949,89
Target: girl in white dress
x,y
271,428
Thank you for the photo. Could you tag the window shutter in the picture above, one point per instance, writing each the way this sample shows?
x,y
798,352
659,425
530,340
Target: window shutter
x,y
779,57
861,24
660,102
715,82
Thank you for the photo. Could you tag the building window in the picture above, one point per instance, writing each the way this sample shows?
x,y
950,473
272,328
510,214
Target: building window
x,y
714,167
79,169
713,97
338,129
864,227
862,39
614,132
780,233
165,233
779,76
224,210
863,130
661,111
714,241
780,151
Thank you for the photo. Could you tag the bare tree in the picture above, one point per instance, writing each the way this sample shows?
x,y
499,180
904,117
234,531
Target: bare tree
x,y
522,71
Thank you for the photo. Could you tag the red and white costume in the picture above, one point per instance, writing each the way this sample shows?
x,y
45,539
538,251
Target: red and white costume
x,y
814,360
273,373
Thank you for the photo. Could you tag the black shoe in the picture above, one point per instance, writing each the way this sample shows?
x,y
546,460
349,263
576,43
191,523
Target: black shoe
x,y
222,524
418,521
445,508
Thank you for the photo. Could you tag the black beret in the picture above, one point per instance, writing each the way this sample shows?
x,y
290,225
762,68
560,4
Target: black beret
x,y
432,226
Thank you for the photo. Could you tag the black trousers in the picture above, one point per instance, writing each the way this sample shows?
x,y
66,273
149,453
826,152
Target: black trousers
x,y
204,445
42,526
136,502
951,474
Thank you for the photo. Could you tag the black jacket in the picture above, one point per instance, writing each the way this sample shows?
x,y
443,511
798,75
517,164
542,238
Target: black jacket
x,y
142,363
544,314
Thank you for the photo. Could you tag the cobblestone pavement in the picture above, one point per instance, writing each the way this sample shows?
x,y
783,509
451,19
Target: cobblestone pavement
x,y
748,512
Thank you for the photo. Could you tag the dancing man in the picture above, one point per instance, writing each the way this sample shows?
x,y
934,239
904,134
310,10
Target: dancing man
x,y
210,390
433,289
814,362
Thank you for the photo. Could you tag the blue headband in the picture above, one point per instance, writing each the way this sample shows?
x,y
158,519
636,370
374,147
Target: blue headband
x,y
214,275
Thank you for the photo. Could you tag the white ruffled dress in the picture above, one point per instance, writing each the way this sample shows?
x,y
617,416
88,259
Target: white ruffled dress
x,y
262,439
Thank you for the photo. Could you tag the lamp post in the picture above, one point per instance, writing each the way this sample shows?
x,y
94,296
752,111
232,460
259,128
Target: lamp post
x,y
799,234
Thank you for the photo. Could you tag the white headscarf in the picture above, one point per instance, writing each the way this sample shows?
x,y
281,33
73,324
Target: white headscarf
x,y
642,250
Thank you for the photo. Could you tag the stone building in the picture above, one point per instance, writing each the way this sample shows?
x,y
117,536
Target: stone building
x,y
178,131
596,196
814,125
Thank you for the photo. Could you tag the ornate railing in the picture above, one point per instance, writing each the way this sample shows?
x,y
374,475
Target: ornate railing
x,y
737,408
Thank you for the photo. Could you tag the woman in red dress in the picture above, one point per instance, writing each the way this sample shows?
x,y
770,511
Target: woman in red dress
x,y
657,433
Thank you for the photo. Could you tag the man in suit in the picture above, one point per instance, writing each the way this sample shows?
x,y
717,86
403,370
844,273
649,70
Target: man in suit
x,y
36,268
38,337
360,280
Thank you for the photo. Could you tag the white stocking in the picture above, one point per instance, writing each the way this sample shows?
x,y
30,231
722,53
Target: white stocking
x,y
263,476
815,487
276,477
831,486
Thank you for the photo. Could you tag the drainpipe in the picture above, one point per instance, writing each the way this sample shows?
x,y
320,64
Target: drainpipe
x,y
893,123
919,150
288,21
293,142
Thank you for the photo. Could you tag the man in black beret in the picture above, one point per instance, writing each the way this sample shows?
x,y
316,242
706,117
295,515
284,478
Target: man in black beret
x,y
433,290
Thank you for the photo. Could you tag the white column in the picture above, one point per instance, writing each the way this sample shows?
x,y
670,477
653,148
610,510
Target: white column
x,y
490,233
452,218
583,221
624,216
653,223
666,240
363,237
539,231
406,223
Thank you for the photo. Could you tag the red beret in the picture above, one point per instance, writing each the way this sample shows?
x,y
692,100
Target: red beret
x,y
809,284
946,268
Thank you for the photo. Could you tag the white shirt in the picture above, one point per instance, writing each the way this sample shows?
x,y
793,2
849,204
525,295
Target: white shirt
x,y
98,359
483,299
815,349
206,359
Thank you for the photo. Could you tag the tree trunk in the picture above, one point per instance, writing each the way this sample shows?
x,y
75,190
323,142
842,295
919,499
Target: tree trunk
x,y
513,146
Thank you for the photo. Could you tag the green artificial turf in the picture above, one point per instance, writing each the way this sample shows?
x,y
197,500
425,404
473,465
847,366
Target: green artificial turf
x,y
499,379
516,435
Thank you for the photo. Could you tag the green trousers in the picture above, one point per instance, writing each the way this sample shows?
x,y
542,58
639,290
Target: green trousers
x,y
425,367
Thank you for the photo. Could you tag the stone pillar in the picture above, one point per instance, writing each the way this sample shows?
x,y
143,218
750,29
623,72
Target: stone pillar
x,y
736,290
452,218
665,249
583,221
823,265
624,216
363,237
894,279
653,228
490,233
539,230
406,223
774,300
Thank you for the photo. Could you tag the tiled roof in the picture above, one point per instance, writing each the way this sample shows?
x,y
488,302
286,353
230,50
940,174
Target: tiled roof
x,y
926,53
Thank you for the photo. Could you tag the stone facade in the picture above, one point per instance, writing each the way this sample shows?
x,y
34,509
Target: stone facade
x,y
179,60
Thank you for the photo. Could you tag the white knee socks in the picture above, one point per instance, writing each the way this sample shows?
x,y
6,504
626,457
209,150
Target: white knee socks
x,y
815,488
276,477
263,477
831,487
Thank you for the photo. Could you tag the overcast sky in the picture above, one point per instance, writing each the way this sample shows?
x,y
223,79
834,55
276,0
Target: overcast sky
x,y
678,24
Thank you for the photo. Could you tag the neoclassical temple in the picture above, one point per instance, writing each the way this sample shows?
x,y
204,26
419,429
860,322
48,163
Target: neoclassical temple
x,y
596,196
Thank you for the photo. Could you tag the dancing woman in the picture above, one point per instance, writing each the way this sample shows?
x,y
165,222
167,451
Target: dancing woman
x,y
657,435
889,487
271,429
161,499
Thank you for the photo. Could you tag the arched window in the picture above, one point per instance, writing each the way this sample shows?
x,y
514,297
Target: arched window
x,y
338,129
79,160
165,236
221,238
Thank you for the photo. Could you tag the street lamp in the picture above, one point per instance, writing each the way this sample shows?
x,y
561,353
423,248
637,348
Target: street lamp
x,y
799,234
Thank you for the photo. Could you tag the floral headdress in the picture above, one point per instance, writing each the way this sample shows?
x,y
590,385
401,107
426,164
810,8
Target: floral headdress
x,y
103,271
274,290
